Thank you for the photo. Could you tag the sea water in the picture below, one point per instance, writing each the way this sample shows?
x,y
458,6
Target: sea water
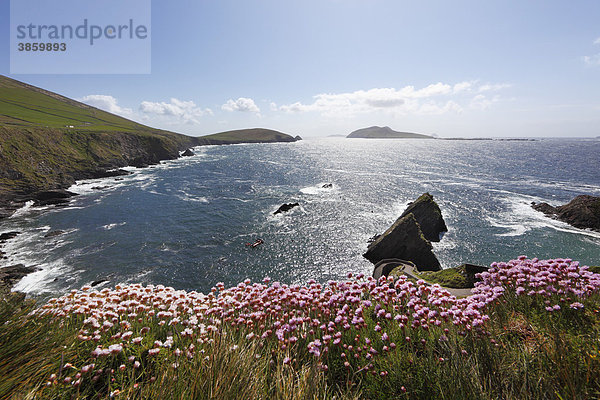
x,y
185,223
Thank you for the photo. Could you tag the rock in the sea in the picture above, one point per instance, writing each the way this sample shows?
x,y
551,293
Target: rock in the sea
x,y
98,282
428,216
298,138
8,235
545,208
404,240
187,153
285,207
11,275
110,173
54,233
327,186
53,197
582,212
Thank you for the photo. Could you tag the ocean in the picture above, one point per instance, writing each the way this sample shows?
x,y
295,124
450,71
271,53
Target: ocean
x,y
184,223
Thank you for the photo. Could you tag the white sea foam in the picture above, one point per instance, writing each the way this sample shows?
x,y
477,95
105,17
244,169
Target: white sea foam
x,y
189,197
520,217
38,282
26,209
319,189
113,225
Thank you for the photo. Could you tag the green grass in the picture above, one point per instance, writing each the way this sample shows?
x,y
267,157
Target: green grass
x,y
48,141
449,277
25,105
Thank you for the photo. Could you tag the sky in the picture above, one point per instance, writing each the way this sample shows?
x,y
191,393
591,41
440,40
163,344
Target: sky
x,y
461,68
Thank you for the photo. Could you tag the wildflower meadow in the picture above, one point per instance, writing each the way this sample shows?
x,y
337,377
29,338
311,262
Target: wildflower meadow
x,y
529,330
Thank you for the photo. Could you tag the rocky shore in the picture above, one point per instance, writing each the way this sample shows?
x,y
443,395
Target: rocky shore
x,y
582,212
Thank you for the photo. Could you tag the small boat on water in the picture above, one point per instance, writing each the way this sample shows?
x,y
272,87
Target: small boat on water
x,y
257,242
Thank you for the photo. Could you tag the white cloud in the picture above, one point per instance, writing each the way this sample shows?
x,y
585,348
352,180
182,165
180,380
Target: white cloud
x,y
437,98
185,111
488,87
592,60
106,103
462,86
242,104
481,102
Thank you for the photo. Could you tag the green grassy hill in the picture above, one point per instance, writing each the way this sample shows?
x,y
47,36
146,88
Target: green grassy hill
x,y
47,141
254,135
378,132
23,105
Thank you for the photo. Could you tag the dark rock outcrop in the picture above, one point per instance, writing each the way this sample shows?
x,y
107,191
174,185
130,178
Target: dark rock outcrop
x,y
327,186
98,282
187,153
285,207
110,173
8,235
52,197
545,208
13,274
297,137
582,212
404,240
54,233
429,217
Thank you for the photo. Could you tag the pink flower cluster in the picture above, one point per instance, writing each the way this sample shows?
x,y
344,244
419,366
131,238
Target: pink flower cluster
x,y
350,322
559,280
317,318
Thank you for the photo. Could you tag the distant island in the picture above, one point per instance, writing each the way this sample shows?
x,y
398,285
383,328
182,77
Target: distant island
x,y
253,135
48,141
378,132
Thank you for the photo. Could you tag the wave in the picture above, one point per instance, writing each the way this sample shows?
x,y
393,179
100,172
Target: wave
x,y
190,197
113,225
520,218
320,189
26,209
39,282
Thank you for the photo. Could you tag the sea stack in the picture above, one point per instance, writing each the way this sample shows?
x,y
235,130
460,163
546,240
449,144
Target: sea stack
x,y
429,217
404,240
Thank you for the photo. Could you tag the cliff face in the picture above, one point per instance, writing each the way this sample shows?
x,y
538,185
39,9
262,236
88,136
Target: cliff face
x,y
47,141
429,216
33,159
404,240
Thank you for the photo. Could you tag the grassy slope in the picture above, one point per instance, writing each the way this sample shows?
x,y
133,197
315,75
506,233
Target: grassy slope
x,y
48,140
377,132
40,150
254,135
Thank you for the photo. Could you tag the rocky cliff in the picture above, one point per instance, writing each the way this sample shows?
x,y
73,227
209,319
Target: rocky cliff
x,y
429,217
582,212
404,240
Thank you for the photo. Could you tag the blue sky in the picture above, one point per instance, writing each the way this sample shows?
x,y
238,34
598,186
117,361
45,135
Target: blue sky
x,y
316,68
